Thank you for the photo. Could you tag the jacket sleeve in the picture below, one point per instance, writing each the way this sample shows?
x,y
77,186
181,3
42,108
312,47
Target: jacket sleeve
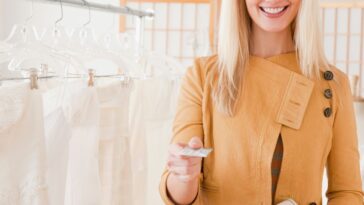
x,y
343,169
188,119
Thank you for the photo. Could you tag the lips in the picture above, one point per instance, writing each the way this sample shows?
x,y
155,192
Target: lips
x,y
274,11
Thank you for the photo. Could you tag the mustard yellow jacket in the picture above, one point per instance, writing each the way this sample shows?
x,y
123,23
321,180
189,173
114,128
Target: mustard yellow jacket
x,y
315,118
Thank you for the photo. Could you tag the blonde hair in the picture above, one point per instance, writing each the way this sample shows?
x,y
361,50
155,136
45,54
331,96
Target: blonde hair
x,y
233,48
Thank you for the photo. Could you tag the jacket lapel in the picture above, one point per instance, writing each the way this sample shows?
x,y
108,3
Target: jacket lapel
x,y
297,89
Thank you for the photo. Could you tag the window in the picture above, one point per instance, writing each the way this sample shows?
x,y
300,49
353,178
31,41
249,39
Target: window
x,y
343,30
181,28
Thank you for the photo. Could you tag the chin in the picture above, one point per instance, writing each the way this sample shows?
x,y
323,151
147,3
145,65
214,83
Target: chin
x,y
273,28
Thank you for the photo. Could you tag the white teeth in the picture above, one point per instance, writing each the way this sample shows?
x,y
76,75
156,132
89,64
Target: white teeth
x,y
273,10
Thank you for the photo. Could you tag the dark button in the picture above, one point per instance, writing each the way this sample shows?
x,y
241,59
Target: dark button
x,y
313,203
328,112
328,93
328,75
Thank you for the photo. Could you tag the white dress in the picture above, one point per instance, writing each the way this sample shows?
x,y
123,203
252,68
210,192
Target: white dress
x,y
83,182
57,136
114,153
22,147
138,146
153,104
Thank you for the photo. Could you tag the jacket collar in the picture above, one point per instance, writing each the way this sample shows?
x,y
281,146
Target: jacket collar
x,y
284,69
289,61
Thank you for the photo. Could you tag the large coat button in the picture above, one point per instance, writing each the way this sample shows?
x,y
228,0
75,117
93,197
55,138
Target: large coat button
x,y
328,75
328,112
328,93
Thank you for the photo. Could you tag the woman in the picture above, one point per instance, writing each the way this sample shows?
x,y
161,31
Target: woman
x,y
273,110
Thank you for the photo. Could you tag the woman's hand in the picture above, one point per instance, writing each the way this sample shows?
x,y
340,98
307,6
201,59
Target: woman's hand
x,y
185,168
182,183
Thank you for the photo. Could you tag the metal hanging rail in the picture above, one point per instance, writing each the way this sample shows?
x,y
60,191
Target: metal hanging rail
x,y
101,7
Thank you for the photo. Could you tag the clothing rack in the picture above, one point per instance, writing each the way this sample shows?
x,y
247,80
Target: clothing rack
x,y
102,7
91,78
139,14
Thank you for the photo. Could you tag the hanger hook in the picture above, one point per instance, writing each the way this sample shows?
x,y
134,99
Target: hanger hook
x,y
61,18
89,13
31,15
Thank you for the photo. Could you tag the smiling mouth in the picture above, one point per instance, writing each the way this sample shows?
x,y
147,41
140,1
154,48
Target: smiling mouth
x,y
273,11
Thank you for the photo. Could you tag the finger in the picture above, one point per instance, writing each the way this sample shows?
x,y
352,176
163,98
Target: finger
x,y
195,143
186,178
183,157
180,144
185,170
175,149
178,156
182,163
186,161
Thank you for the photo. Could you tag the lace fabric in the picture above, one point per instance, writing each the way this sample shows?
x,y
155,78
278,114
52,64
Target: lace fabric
x,y
22,149
13,100
33,191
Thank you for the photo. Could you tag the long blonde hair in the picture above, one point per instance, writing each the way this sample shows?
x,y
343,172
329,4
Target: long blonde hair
x,y
233,48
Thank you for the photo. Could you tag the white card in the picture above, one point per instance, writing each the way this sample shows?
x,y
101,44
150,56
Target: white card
x,y
189,152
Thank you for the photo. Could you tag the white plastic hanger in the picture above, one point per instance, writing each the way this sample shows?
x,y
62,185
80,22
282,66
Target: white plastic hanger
x,y
22,33
34,53
56,36
84,38
92,53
